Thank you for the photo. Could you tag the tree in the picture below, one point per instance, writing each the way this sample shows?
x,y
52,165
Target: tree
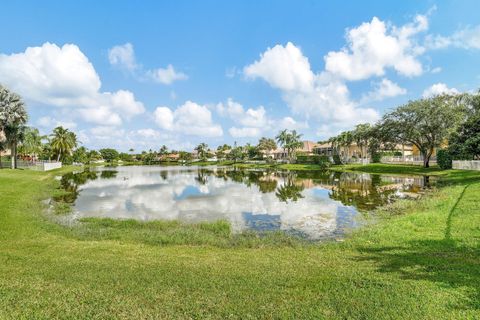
x,y
425,123
361,135
3,147
185,156
266,145
32,143
63,141
80,155
13,117
125,157
202,150
222,151
290,141
109,154
464,143
163,150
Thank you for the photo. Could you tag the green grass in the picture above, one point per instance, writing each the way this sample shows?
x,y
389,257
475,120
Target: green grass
x,y
422,261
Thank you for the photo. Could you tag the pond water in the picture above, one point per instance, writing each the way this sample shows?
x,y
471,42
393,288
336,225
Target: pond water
x,y
311,204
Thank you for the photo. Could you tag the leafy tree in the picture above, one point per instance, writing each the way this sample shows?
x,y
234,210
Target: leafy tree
x,y
93,155
266,144
425,123
63,142
80,155
185,156
125,157
109,154
13,117
464,143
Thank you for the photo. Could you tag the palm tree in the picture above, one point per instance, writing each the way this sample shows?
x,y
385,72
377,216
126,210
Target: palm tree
x,y
282,139
32,142
13,117
266,144
63,142
202,150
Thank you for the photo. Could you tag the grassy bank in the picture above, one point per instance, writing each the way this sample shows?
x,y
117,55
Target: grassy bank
x,y
421,262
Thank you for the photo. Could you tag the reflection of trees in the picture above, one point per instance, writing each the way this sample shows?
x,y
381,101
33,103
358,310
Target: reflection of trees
x,y
108,174
267,185
361,190
164,174
290,191
202,176
70,182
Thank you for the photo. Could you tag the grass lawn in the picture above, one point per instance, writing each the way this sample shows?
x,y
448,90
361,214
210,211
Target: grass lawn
x,y
422,261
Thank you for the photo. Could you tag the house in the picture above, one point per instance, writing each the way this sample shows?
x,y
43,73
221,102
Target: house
x,y
307,148
353,151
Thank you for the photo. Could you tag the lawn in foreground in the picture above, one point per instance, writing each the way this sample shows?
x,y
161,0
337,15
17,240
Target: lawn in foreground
x,y
423,261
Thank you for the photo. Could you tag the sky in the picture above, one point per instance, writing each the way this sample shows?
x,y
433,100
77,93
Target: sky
x,y
125,74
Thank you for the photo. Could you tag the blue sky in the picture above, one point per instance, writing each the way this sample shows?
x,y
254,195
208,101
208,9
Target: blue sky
x,y
178,73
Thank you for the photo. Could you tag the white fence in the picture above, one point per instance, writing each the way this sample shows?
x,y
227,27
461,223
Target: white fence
x,y
40,165
407,160
466,164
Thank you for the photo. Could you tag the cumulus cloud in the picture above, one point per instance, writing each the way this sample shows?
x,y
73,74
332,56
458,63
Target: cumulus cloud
x,y
249,118
245,132
123,56
438,89
384,89
189,118
466,38
291,124
374,46
323,96
166,75
49,123
64,77
283,67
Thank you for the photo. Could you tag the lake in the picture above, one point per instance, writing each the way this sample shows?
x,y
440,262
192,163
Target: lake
x,y
311,204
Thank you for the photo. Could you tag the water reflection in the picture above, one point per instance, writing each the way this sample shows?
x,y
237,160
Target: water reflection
x,y
311,204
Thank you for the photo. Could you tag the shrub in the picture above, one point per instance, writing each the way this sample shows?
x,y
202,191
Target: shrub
x,y
322,161
336,159
376,157
444,159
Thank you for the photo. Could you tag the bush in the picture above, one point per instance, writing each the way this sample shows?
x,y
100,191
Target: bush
x,y
322,161
444,159
376,157
336,159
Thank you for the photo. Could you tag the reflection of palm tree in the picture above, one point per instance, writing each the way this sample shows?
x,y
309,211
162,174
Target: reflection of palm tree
x,y
202,177
267,185
289,190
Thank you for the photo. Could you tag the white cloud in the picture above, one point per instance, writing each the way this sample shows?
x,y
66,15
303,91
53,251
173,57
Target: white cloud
x,y
100,115
148,133
166,75
384,89
245,132
436,70
374,46
283,67
466,38
64,77
189,118
49,123
291,124
248,118
438,89
123,56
